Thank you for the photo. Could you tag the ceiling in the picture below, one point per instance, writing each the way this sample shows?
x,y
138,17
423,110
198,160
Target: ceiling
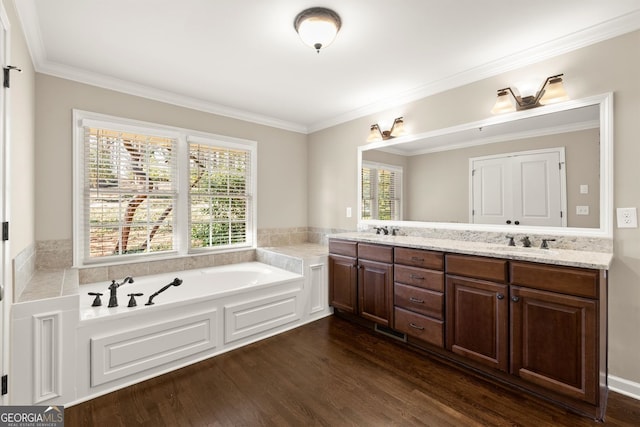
x,y
243,58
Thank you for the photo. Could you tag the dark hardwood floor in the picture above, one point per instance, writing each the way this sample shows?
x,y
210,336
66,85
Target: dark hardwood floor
x,y
329,373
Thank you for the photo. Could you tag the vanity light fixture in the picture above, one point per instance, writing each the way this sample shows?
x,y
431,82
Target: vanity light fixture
x,y
551,91
317,27
376,134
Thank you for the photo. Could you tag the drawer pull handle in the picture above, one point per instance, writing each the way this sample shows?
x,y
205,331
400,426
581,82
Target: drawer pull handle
x,y
414,277
416,259
500,296
414,299
515,299
414,326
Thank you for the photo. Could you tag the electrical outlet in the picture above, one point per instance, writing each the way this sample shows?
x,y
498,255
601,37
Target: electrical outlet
x,y
627,217
582,210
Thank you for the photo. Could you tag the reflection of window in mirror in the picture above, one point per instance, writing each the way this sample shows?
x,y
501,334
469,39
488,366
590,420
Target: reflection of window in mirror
x,y
381,191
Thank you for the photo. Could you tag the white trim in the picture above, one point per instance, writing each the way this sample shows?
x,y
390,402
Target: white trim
x,y
626,387
606,170
183,136
613,28
580,39
5,213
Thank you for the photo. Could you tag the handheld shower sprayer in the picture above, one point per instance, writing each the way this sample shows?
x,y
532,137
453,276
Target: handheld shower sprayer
x,y
176,282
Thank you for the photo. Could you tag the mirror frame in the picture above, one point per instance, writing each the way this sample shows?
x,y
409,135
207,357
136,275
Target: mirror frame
x,y
605,101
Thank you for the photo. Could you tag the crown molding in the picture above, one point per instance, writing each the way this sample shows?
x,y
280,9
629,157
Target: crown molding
x,y
595,34
29,19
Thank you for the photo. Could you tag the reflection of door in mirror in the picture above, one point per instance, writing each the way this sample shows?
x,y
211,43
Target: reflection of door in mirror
x,y
521,188
381,191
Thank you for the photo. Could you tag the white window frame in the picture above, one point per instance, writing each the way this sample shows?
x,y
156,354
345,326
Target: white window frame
x,y
183,136
398,170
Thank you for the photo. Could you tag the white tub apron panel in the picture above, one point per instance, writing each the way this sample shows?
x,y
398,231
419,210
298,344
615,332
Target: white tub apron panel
x,y
122,354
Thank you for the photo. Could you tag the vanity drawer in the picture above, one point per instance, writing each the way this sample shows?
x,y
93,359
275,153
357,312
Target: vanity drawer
x,y
566,280
427,279
343,247
477,267
419,258
378,253
419,300
418,326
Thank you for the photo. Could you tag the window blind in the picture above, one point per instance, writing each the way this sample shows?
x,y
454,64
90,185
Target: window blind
x,y
130,186
381,191
220,195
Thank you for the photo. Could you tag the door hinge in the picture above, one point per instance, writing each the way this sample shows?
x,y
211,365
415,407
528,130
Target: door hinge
x,y
5,384
7,74
560,214
5,231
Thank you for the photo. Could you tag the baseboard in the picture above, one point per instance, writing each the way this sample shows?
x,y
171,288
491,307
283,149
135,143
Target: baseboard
x,y
626,387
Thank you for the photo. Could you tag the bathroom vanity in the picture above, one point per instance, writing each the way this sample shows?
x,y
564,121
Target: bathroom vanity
x,y
531,318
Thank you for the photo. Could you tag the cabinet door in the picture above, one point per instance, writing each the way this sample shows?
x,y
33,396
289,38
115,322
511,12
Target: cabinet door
x,y
554,342
343,284
477,321
375,289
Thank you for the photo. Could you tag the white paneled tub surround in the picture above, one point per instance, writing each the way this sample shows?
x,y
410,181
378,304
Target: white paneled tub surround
x,y
74,352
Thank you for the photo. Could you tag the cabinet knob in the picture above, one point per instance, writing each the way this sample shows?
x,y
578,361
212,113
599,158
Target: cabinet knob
x,y
508,221
515,299
500,296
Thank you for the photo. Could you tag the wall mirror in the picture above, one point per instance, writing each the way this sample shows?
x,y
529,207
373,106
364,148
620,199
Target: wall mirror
x,y
498,174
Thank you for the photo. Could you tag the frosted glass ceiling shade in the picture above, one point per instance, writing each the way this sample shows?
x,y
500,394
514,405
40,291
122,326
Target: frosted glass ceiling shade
x,y
317,27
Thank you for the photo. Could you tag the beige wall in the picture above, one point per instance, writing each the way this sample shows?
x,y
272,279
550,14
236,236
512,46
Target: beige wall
x,y
612,65
282,175
21,144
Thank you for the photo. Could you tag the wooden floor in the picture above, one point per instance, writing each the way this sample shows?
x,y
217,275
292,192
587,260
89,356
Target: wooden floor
x,y
329,373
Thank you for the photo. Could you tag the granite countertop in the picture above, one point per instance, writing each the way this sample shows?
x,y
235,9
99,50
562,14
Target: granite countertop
x,y
572,258
302,250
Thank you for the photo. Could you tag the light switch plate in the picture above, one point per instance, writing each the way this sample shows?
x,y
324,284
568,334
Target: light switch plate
x,y
582,210
627,217
584,189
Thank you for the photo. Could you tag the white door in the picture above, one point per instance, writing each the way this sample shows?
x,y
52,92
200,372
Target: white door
x,y
537,195
490,200
524,188
5,280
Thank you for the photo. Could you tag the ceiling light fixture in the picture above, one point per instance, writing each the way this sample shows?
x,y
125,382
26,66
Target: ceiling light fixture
x,y
317,27
551,91
376,134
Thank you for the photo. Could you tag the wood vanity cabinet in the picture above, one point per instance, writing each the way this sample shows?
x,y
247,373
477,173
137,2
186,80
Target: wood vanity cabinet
x,y
419,294
343,275
542,323
478,309
375,283
555,328
540,327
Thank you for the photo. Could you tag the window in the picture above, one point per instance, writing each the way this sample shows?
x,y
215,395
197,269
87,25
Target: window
x,y
145,190
219,202
381,191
